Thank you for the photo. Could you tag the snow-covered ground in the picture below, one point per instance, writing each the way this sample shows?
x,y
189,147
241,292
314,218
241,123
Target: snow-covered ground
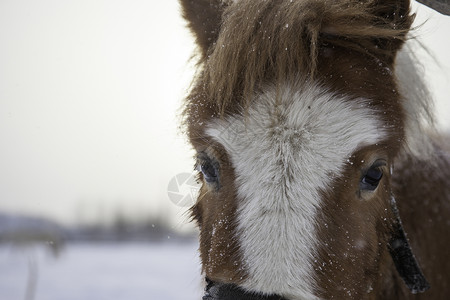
x,y
131,271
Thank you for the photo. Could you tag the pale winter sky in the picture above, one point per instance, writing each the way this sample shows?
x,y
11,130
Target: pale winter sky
x,y
89,92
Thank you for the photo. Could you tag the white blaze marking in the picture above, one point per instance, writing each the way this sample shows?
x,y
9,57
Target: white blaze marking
x,y
284,152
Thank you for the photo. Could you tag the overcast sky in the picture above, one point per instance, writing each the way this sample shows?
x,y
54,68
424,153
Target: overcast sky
x,y
89,92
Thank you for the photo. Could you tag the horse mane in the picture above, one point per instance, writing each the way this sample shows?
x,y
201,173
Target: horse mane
x,y
420,130
273,40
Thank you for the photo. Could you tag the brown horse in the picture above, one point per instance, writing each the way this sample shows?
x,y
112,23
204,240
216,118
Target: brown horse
x,y
314,136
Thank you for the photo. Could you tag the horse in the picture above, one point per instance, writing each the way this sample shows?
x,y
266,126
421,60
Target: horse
x,y
322,175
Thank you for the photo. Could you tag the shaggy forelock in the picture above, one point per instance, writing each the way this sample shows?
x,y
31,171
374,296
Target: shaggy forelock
x,y
262,41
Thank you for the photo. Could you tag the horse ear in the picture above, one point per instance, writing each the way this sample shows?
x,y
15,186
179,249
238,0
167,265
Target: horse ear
x,y
204,18
395,15
391,9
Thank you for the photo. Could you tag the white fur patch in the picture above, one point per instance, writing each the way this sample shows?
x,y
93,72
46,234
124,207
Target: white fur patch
x,y
284,152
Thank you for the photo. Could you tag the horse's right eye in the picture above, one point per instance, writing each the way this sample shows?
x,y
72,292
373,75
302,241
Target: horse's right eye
x,y
209,171
208,167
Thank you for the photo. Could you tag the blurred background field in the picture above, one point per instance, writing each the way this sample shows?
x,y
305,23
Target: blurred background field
x,y
126,259
166,270
90,93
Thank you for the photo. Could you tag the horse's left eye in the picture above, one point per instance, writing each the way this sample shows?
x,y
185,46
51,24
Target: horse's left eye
x,y
371,179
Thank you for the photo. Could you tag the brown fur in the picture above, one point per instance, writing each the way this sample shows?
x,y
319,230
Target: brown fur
x,y
349,47
205,18
272,40
355,233
423,194
216,219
